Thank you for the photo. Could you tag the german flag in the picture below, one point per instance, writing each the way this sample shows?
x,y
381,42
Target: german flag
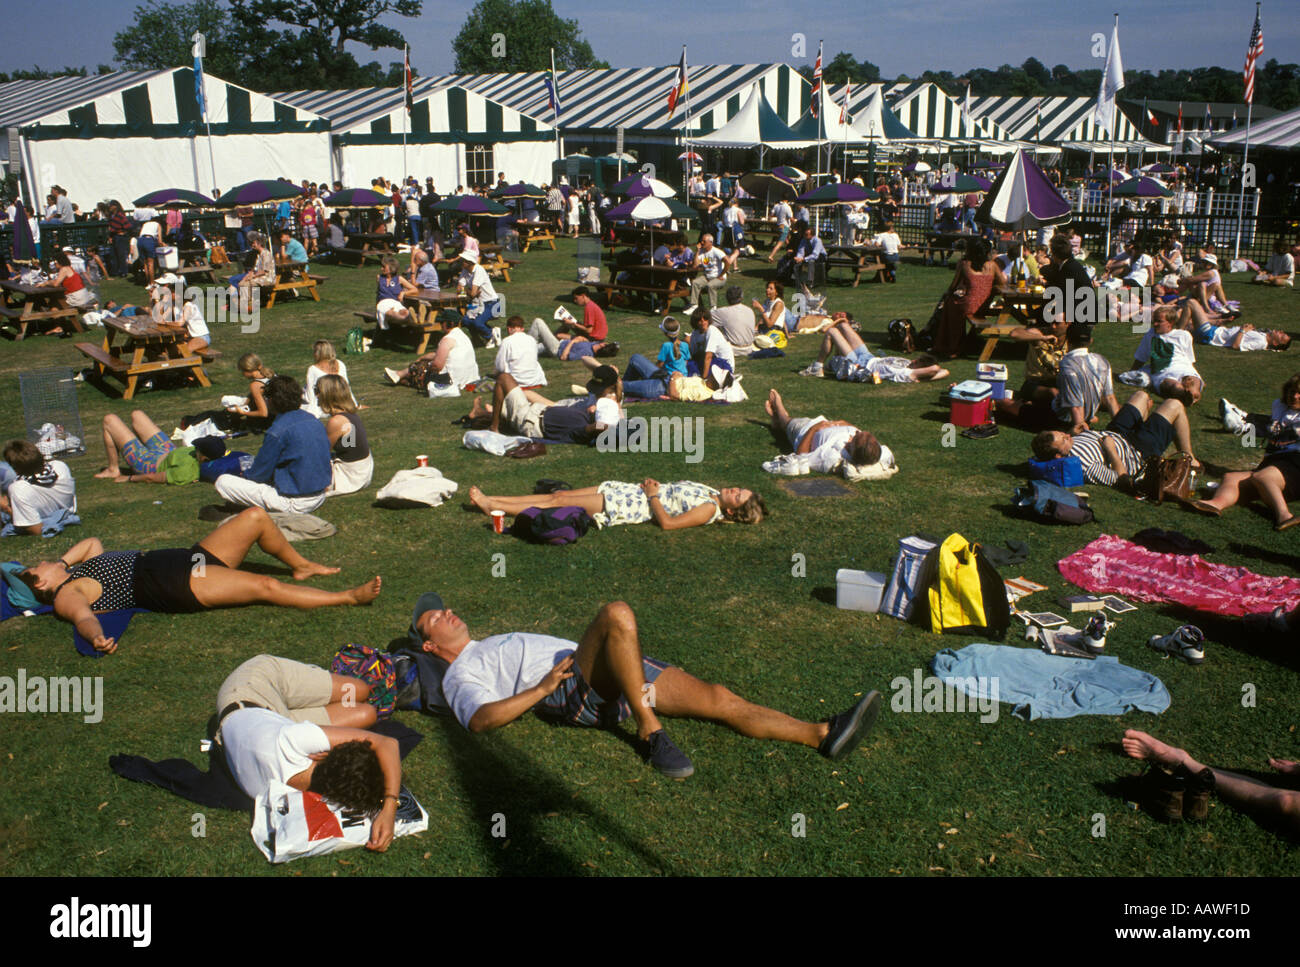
x,y
679,85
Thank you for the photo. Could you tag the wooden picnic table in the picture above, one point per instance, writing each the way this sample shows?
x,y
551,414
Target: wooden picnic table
x,y
194,266
859,258
424,315
375,245
145,348
292,276
668,281
534,233
22,304
1018,308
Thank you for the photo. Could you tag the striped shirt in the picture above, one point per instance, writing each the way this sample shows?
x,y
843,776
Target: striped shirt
x,y
1096,469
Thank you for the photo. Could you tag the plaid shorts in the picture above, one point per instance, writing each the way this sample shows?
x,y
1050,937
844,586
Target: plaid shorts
x,y
577,703
145,457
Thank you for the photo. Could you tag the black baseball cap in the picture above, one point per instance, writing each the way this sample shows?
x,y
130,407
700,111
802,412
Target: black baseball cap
x,y
429,601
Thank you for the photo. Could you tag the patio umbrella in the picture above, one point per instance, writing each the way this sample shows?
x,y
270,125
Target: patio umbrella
x,y
1023,198
1142,187
356,198
790,173
1159,168
257,193
173,197
24,244
689,156
961,185
470,205
917,166
516,191
640,209
638,185
838,193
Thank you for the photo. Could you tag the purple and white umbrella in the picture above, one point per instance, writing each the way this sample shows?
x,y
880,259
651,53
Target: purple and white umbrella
x,y
1143,187
1023,198
639,185
838,193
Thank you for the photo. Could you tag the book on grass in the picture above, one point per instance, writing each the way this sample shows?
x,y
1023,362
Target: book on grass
x,y
1083,602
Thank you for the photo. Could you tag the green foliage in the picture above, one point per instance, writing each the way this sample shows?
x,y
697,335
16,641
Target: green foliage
x,y
843,68
160,38
530,28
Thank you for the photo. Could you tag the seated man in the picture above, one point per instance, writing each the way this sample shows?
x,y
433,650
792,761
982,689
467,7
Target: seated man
x,y
735,321
714,265
1031,408
827,444
593,325
1167,354
1118,455
423,274
1280,269
291,250
855,363
483,298
708,346
285,721
292,471
1084,384
603,680
451,366
517,356
807,254
37,490
888,242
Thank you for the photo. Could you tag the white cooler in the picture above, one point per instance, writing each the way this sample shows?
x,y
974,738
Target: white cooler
x,y
859,590
168,258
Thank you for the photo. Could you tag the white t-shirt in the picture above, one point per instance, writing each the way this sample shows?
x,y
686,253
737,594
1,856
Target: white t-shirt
x,y
499,667
196,325
888,242
713,342
1140,269
314,373
478,277
262,745
713,262
151,228
32,503
783,214
830,448
461,366
1251,342
518,357
1289,418
1282,264
1181,363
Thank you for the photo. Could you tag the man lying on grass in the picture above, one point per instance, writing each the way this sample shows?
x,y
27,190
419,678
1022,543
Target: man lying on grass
x,y
88,581
601,681
823,445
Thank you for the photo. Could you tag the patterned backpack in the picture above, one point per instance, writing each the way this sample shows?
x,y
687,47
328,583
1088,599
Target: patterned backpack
x,y
373,667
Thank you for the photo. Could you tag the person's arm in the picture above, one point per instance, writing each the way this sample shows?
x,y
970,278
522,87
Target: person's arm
x,y
958,277
257,401
493,715
692,518
806,444
336,426
1241,333
1079,420
390,762
156,477
409,288
83,550
1029,334
264,464
1113,460
71,605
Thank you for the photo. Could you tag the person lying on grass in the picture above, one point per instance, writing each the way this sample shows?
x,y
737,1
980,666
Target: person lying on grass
x,y
285,721
1274,804
850,360
671,506
184,465
827,445
526,412
604,679
1274,483
87,580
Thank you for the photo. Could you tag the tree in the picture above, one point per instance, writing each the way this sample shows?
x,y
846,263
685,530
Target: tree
x,y
843,68
40,74
518,35
160,38
329,22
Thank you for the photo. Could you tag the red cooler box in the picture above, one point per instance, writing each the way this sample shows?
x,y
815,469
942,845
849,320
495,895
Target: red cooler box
x,y
970,402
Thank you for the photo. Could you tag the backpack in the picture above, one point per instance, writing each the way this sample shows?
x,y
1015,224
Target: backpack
x,y
551,525
353,344
901,335
1052,503
376,669
960,592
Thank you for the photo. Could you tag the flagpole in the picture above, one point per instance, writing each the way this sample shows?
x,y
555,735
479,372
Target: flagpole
x,y
1110,161
686,136
555,84
1142,138
406,109
1241,198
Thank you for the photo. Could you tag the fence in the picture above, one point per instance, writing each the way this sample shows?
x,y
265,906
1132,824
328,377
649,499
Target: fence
x,y
83,235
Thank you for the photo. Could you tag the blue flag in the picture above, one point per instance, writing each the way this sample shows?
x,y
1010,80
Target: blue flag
x,y
198,51
553,94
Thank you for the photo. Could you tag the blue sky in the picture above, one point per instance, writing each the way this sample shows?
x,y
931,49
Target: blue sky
x,y
899,37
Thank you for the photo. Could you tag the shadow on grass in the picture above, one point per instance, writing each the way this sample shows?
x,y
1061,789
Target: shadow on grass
x,y
499,779
824,595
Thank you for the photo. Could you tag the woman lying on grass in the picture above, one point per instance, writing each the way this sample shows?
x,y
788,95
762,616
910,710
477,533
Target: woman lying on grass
x,y
88,581
671,506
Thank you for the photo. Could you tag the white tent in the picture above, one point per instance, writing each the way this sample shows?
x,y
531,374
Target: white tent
x,y
756,124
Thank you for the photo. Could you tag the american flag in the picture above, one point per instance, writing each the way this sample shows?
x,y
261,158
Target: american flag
x,y
1253,50
815,105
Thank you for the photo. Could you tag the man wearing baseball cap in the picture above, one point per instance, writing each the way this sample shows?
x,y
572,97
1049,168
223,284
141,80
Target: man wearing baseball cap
x,y
602,681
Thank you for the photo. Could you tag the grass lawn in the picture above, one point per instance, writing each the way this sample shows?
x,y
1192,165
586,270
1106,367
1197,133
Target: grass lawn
x,y
924,794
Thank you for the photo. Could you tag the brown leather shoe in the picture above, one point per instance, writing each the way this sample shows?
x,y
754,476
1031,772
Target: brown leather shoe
x,y
1164,794
1196,793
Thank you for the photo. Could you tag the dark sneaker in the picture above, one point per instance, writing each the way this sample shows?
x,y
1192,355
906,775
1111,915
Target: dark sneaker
x,y
1196,794
848,728
662,753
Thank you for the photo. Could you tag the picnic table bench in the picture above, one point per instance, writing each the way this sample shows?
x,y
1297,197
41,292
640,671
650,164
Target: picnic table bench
x,y
945,242
22,304
374,245
534,233
857,258
1016,309
147,348
423,319
666,281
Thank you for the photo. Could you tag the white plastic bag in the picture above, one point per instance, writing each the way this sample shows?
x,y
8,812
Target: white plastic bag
x,y
290,823
422,485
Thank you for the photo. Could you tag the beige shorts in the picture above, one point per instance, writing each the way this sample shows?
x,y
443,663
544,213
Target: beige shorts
x,y
522,415
291,688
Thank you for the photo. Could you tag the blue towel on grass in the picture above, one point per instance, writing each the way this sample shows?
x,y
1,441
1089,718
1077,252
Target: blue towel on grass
x,y
1043,686
51,525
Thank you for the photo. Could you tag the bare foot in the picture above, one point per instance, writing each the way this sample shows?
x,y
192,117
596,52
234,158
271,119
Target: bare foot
x,y
773,400
1140,745
109,473
477,408
942,374
311,569
118,479
365,593
1285,765
480,500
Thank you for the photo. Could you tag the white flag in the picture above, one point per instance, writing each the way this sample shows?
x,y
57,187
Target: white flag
x,y
1112,79
969,119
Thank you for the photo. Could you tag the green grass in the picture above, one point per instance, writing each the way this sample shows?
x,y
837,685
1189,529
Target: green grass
x,y
721,601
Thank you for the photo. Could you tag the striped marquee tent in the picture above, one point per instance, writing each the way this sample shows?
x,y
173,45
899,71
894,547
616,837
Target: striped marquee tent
x,y
1280,133
123,134
1066,122
932,114
454,135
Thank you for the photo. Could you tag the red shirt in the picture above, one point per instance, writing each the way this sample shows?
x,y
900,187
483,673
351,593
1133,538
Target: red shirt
x,y
593,317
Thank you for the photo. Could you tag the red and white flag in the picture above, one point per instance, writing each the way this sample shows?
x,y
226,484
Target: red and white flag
x,y
410,90
679,85
1253,51
815,105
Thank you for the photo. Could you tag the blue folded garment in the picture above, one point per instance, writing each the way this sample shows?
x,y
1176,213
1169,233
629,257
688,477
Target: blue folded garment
x,y
51,525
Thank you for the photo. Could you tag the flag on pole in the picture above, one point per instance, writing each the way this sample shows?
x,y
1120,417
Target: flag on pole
x,y
1112,80
1151,116
553,93
970,121
845,117
199,45
1253,50
1209,121
679,85
410,90
1180,118
815,105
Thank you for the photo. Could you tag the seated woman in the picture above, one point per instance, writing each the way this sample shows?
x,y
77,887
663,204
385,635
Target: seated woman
x,y
1279,271
88,581
773,314
971,286
391,286
1275,482
75,286
351,461
187,316
1280,427
245,286
671,506
252,409
850,360
450,367
325,362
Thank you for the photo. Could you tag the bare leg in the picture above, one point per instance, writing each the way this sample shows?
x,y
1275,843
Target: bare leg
x,y
348,706
233,539
116,436
221,587
924,374
1176,415
143,426
609,657
504,384
680,695
1271,487
1141,402
777,411
588,498
1235,487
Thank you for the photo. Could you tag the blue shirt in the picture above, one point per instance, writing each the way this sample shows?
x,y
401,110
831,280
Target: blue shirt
x,y
284,211
811,249
295,456
294,251
427,277
672,362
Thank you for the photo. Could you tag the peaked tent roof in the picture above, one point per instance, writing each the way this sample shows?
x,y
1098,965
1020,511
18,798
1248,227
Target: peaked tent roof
x,y
1281,132
867,104
1022,198
755,124
829,128
932,113
1064,119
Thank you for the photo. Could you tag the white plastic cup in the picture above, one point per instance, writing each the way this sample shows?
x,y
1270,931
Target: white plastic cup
x,y
422,460
499,521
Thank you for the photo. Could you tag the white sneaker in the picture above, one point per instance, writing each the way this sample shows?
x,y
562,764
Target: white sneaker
x,y
1234,417
496,338
812,369
788,465
393,375
1186,641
